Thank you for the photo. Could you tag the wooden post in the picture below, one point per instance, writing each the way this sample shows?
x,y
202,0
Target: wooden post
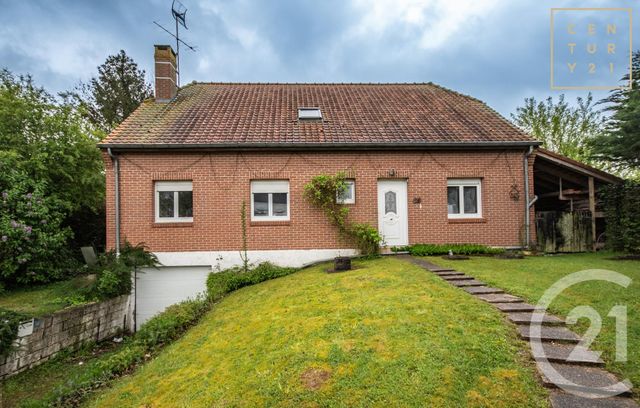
x,y
592,208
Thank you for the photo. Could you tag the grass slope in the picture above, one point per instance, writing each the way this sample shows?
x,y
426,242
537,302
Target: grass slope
x,y
388,333
530,278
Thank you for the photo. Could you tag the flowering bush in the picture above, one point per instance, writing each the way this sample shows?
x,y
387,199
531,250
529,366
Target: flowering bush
x,y
32,240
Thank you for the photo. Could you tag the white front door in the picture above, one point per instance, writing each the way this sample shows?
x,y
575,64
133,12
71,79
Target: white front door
x,y
392,212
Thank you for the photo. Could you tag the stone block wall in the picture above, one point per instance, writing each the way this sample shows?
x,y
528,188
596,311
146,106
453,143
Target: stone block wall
x,y
69,328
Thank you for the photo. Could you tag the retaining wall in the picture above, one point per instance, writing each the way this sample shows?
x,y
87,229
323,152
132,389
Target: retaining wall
x,y
68,328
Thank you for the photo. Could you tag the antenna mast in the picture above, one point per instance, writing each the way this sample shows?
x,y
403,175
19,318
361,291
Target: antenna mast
x,y
179,13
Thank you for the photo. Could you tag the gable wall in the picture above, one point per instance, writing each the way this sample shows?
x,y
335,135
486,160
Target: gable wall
x,y
222,180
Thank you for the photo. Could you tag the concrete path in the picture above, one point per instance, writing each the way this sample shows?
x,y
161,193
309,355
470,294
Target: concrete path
x,y
561,362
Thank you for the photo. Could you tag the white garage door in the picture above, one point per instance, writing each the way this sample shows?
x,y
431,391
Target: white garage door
x,y
165,286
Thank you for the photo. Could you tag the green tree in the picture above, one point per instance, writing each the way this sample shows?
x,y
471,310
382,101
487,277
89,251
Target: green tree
x,y
33,242
620,145
109,98
52,143
560,127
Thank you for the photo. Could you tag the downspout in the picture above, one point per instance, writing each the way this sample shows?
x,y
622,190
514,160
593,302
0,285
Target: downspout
x,y
527,203
116,174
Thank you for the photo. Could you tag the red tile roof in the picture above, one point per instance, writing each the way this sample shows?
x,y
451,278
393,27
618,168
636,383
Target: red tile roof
x,y
226,115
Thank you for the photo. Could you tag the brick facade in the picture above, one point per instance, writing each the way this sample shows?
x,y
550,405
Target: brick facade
x,y
221,181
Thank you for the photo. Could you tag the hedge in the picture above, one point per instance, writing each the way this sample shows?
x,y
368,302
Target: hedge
x,y
622,210
443,249
228,280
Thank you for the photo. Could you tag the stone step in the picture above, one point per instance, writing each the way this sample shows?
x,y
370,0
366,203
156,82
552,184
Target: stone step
x,y
499,298
515,307
482,290
559,353
525,318
588,381
441,270
450,273
561,399
547,333
457,277
466,283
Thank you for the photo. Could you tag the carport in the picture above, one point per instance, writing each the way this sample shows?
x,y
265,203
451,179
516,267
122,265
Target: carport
x,y
569,213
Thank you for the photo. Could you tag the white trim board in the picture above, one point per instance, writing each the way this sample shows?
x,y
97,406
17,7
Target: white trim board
x,y
291,257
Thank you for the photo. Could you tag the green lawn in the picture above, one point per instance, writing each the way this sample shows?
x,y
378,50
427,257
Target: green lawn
x,y
386,334
530,277
44,299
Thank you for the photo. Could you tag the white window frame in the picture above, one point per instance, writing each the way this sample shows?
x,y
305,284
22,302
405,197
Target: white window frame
x,y
352,200
461,183
270,187
309,113
175,186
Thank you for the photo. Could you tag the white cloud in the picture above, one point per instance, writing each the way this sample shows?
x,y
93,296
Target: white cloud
x,y
433,22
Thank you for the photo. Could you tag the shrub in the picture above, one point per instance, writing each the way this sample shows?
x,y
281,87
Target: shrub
x,y
221,283
367,238
9,322
169,324
443,249
32,239
113,273
622,208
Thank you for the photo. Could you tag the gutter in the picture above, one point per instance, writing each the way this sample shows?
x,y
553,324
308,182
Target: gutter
x,y
116,174
527,202
317,146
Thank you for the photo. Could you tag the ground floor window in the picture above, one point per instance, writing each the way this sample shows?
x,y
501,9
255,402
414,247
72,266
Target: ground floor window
x,y
173,201
464,198
269,200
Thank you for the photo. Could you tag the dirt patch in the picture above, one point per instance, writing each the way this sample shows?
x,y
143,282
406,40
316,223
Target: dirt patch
x,y
353,268
509,255
314,378
456,257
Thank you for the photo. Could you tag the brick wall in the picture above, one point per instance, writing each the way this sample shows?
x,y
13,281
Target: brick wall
x,y
67,328
222,180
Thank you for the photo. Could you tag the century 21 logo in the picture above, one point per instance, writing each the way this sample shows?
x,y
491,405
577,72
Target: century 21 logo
x,y
591,48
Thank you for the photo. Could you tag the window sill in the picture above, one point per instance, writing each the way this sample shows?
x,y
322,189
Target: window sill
x,y
172,224
269,223
467,220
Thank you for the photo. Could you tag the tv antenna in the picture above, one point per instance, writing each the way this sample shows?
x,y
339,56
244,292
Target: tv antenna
x,y
179,13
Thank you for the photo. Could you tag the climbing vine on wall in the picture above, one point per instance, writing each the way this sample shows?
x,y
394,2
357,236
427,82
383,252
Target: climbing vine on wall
x,y
322,192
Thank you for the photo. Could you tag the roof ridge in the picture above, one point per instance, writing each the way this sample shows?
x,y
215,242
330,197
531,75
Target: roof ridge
x,y
305,83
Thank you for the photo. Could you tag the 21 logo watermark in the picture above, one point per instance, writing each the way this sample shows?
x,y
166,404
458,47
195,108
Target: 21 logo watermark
x,y
591,48
568,380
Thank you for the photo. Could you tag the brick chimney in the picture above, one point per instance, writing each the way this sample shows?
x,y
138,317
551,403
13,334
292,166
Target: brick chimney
x,y
165,65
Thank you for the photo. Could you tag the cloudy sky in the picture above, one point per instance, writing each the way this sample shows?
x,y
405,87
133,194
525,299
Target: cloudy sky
x,y
497,51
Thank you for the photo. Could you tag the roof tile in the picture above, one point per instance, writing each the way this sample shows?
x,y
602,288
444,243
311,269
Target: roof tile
x,y
251,113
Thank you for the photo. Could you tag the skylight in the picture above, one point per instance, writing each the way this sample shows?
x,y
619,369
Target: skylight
x,y
309,114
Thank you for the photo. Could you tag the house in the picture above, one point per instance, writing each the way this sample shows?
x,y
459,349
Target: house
x,y
425,164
